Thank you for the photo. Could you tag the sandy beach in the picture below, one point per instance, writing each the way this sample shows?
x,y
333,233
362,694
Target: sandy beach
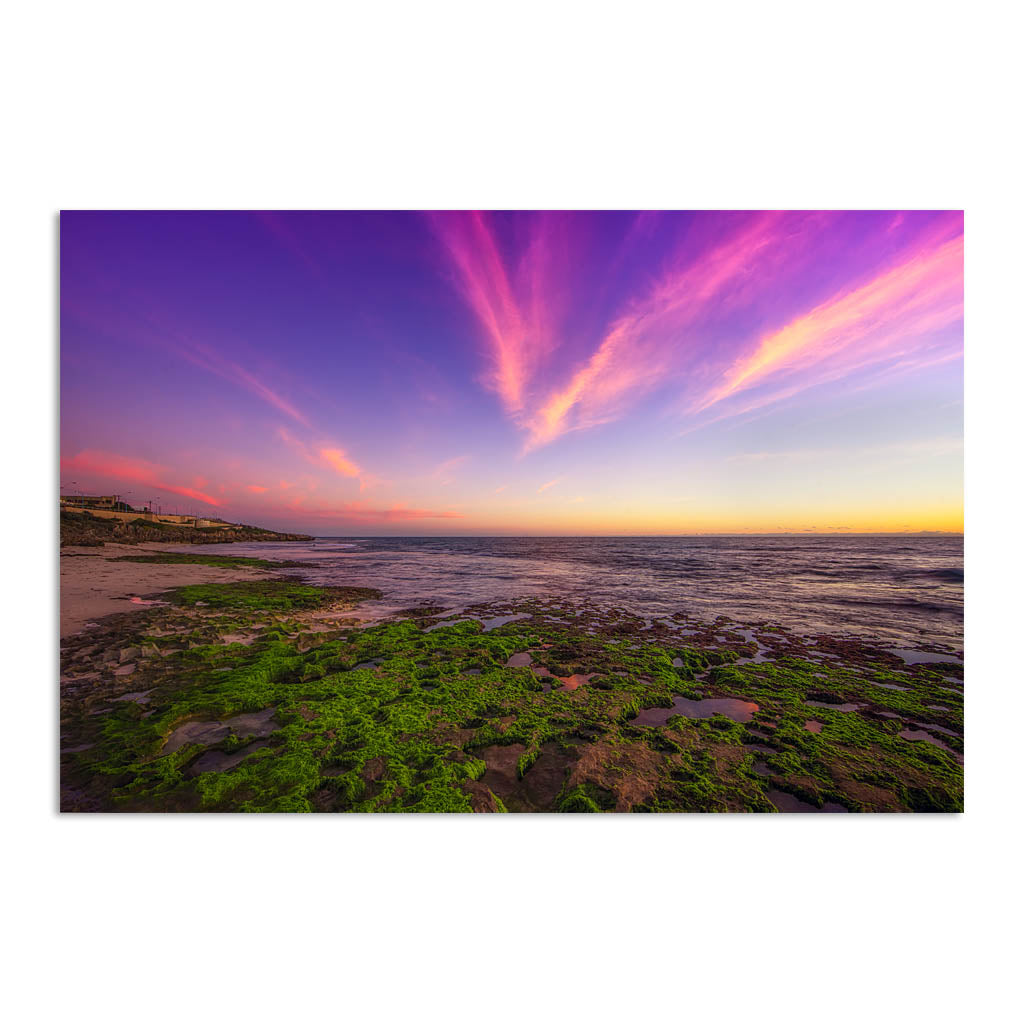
x,y
93,584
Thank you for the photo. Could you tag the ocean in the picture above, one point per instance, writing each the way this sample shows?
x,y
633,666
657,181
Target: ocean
x,y
903,588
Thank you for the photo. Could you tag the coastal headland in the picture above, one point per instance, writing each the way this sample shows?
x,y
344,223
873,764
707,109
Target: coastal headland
x,y
223,684
92,528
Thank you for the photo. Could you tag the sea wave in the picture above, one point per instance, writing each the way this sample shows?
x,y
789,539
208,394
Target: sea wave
x,y
897,588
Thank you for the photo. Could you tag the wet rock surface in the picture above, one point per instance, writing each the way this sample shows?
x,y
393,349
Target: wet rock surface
x,y
273,696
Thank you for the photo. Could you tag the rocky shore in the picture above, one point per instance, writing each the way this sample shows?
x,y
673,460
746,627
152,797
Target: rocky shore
x,y
85,530
261,693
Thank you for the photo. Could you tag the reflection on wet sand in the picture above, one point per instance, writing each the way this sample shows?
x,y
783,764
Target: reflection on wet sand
x,y
731,707
927,737
924,657
788,802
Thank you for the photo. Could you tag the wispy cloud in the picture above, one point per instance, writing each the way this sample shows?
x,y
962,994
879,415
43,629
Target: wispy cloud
x,y
210,360
278,225
329,455
338,460
359,513
641,347
696,328
105,466
445,472
515,305
519,313
922,294
160,330
550,483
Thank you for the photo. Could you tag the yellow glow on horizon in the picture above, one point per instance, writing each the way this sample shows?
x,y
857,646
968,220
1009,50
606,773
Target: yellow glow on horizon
x,y
583,518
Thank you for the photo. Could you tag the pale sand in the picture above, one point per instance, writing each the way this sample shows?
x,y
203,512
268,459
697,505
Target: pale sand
x,y
91,585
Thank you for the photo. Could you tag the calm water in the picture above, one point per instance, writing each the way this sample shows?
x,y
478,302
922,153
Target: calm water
x,y
905,588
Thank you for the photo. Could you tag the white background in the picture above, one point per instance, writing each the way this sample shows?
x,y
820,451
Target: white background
x,y
525,105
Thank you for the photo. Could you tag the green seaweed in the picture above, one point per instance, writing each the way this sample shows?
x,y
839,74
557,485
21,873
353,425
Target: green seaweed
x,y
395,717
269,595
218,561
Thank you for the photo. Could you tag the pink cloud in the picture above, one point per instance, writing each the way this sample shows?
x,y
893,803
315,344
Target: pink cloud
x,y
550,483
210,360
256,489
336,459
330,455
155,328
516,306
109,466
644,344
445,472
356,512
661,338
881,320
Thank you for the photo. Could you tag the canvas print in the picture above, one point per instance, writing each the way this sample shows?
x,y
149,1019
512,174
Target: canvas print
x,y
511,511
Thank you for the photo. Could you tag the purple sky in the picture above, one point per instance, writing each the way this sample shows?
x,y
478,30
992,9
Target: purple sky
x,y
518,372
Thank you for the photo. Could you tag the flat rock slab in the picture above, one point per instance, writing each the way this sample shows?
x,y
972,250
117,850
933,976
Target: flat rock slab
x,y
252,723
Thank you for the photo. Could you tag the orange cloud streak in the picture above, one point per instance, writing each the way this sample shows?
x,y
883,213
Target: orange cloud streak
x,y
336,458
658,339
513,308
357,512
109,466
637,351
922,294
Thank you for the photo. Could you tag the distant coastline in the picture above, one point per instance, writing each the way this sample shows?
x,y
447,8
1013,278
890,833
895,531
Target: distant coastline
x,y
84,529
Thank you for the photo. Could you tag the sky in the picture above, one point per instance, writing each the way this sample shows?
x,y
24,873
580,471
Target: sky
x,y
375,373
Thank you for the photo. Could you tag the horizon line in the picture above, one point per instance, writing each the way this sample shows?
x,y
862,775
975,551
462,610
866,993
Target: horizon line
x,y
774,533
